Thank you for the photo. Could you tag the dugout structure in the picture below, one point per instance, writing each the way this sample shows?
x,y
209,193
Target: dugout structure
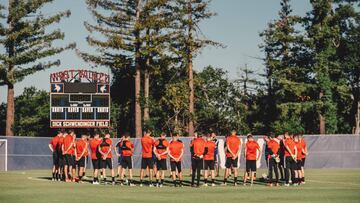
x,y
79,99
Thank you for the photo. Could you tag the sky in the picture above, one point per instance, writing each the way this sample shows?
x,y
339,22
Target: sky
x,y
237,26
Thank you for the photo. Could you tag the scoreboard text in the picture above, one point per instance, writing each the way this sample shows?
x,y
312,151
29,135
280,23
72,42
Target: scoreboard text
x,y
75,103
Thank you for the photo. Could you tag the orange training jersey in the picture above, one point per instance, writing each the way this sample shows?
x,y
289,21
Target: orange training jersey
x,y
175,149
81,145
210,155
68,144
161,146
126,147
55,143
291,145
273,146
233,143
299,147
198,146
94,144
147,144
251,148
105,147
303,144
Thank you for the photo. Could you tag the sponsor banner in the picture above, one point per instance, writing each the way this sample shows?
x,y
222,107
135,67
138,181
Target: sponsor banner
x,y
80,124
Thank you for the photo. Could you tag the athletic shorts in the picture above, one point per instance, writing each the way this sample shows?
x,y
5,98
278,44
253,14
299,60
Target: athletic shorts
x,y
96,163
175,165
126,162
282,161
302,162
251,165
209,164
197,163
81,162
289,163
147,162
120,158
74,162
161,164
107,163
298,164
55,158
61,160
69,160
231,162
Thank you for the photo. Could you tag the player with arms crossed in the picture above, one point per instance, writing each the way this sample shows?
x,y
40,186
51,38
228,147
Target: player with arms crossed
x,y
105,149
176,151
252,154
161,149
127,150
232,156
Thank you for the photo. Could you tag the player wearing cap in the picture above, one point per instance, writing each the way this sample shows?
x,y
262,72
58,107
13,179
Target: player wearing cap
x,y
290,158
68,150
304,153
81,153
176,151
95,156
161,149
105,149
232,156
273,159
54,148
147,143
252,154
209,160
198,151
127,150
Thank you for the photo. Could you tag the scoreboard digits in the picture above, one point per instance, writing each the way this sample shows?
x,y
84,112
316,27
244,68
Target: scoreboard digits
x,y
79,104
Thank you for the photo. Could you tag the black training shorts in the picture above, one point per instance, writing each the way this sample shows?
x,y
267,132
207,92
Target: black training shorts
x,y
126,162
81,162
302,162
251,165
96,163
69,160
55,158
197,163
231,162
147,162
175,165
209,164
107,163
289,163
161,164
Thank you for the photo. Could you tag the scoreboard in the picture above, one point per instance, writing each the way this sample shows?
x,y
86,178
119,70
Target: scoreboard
x,y
79,99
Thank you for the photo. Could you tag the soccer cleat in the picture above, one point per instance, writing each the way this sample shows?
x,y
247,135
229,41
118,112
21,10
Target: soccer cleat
x,y
53,179
277,184
213,185
132,185
126,181
151,185
161,185
141,185
205,184
235,184
113,183
269,185
244,184
223,184
286,184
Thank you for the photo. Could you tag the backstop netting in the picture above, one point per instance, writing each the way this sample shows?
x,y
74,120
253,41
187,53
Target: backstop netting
x,y
325,151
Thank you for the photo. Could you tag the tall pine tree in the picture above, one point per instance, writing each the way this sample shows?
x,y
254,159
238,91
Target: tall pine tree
x,y
27,41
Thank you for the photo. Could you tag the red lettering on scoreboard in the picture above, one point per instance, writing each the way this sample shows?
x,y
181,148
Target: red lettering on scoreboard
x,y
67,75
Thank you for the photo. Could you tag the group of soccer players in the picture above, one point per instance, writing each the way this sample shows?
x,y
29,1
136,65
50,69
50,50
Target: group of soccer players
x,y
284,154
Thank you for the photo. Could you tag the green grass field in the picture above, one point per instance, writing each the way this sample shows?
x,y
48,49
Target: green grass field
x,y
321,186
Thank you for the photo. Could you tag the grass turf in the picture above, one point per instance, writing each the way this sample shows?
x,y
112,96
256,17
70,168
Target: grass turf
x,y
325,185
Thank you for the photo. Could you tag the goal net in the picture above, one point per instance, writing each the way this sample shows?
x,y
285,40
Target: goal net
x,y
3,155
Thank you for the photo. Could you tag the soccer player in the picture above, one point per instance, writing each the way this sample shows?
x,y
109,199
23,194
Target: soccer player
x,y
232,156
198,151
209,160
68,150
290,158
303,157
147,143
161,149
61,156
81,153
176,151
281,153
95,156
252,154
54,148
273,158
118,154
73,154
298,172
105,149
127,150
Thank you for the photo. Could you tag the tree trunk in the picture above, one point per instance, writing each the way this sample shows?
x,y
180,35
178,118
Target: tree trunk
x,y
146,91
138,126
10,110
190,73
322,119
357,119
